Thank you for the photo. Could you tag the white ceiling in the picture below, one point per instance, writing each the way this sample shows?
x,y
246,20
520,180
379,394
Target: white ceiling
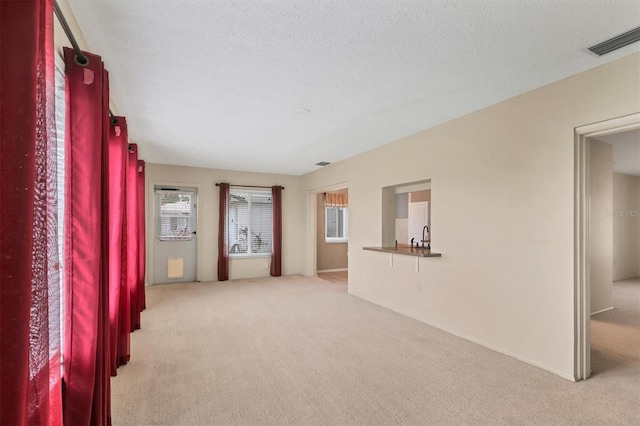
x,y
626,151
217,83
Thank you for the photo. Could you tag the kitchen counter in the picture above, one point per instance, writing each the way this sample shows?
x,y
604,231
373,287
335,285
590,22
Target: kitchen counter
x,y
406,251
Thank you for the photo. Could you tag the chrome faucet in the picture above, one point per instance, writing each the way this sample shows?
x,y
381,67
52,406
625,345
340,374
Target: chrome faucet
x,y
425,230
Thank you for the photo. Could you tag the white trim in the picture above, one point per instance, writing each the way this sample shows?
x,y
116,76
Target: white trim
x,y
333,270
601,311
59,61
582,258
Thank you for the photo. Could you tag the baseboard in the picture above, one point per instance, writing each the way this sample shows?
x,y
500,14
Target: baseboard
x,y
601,311
333,270
569,377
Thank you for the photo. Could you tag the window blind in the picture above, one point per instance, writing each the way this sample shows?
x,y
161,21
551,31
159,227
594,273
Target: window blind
x,y
336,223
176,215
250,222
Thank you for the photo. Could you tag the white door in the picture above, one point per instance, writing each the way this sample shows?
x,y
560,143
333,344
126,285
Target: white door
x,y
418,219
175,235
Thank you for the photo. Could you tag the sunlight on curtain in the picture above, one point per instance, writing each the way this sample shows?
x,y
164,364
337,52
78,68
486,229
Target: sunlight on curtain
x,y
60,159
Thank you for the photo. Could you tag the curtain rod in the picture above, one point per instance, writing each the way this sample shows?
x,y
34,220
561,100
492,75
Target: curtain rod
x,y
81,59
250,186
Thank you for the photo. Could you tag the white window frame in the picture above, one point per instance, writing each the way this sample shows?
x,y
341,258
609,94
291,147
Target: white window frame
x,y
345,226
249,254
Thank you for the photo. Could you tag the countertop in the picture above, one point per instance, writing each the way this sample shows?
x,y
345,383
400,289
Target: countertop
x,y
406,251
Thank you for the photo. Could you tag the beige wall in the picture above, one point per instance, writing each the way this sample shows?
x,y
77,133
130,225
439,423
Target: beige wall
x,y
330,255
204,180
626,226
419,196
600,224
503,218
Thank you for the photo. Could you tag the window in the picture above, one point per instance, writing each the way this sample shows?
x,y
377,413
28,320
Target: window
x,y
250,223
176,215
61,107
336,224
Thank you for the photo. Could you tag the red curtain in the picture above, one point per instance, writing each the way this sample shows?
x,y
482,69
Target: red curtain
x,y
124,305
87,395
29,284
133,237
141,236
276,251
223,246
118,142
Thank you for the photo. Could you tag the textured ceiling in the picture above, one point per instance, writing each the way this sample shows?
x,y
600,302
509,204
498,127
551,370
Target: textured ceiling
x,y
626,151
217,83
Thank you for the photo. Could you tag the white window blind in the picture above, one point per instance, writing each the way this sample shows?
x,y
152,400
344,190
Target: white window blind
x,y
176,215
336,224
250,223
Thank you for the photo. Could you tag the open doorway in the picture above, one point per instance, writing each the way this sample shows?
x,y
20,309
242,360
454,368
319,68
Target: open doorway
x,y
332,235
594,256
615,252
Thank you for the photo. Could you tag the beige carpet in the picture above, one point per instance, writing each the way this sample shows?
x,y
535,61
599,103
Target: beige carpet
x,y
296,351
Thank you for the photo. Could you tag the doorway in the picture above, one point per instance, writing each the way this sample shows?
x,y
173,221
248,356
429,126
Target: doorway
x,y
615,252
584,255
332,235
175,242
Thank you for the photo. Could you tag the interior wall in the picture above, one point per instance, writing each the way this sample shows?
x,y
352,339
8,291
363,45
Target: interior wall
x,y
207,210
419,196
626,226
504,216
600,224
330,255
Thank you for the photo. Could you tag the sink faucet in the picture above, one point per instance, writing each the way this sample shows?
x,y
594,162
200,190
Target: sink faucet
x,y
425,230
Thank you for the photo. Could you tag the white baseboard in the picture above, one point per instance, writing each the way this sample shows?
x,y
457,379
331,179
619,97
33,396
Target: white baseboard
x,y
333,270
569,377
601,311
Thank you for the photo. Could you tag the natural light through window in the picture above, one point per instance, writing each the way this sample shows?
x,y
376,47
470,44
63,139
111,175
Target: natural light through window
x,y
336,226
250,223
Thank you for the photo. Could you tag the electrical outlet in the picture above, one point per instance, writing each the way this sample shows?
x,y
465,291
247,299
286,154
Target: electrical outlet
x,y
266,265
419,287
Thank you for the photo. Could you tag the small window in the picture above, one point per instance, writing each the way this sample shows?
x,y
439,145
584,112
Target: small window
x,y
176,215
250,223
336,225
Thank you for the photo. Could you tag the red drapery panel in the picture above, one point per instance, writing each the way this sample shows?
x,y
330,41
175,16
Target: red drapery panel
x,y
86,236
133,237
124,305
141,236
276,251
118,142
29,285
223,246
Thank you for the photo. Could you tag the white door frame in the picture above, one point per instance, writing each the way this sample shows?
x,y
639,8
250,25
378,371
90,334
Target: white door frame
x,y
151,228
311,268
582,258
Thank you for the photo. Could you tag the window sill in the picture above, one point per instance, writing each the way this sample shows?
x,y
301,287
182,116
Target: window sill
x,y
336,241
249,256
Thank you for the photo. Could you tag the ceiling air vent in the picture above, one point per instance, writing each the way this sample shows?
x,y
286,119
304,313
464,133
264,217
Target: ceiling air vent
x,y
617,42
323,163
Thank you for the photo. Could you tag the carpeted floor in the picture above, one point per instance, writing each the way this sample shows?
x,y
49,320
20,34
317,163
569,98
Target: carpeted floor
x,y
296,351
